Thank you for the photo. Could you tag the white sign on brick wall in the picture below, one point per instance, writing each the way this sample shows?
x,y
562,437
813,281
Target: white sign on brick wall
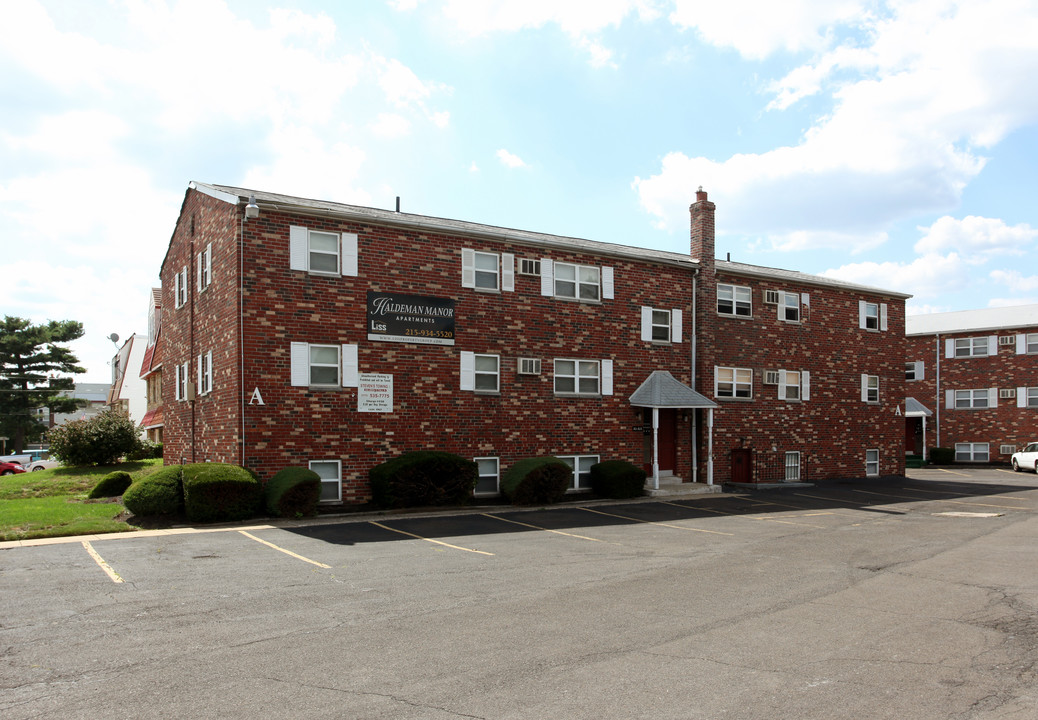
x,y
375,393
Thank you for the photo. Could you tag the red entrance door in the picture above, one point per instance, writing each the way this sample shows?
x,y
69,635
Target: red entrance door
x,y
668,452
742,465
910,426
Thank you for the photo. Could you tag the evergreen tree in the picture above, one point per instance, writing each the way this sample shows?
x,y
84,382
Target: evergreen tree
x,y
31,357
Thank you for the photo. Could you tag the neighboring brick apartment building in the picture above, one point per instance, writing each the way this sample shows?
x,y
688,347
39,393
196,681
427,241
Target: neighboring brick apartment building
x,y
302,332
151,370
977,370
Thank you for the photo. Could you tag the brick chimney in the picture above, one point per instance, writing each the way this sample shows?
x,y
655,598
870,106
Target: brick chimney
x,y
702,211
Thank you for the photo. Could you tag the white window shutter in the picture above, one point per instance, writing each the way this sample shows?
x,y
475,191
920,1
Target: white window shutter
x,y
607,283
949,348
607,377
297,248
993,397
1021,397
1021,344
861,314
993,345
200,380
176,291
716,372
350,366
468,370
675,325
864,388
176,380
805,299
299,356
882,316
646,324
780,310
507,272
781,384
547,277
350,255
949,399
200,261
209,371
920,370
468,268
805,385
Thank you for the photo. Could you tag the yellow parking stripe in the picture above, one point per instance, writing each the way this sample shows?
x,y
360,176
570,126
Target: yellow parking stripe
x,y
100,561
287,552
419,537
537,527
650,522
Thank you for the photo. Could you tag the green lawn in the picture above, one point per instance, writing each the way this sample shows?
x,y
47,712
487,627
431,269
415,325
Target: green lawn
x,y
53,503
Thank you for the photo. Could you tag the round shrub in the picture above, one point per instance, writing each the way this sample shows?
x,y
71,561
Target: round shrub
x,y
423,478
113,484
100,440
293,492
215,492
617,479
536,481
160,493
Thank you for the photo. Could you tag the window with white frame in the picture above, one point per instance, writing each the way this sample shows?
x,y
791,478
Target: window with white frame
x,y
872,463
789,307
972,452
660,325
1031,343
1032,397
1027,397
734,300
180,386
792,466
205,373
581,467
324,365
872,316
330,472
972,347
205,267
794,385
487,271
577,377
870,388
480,372
582,282
914,370
966,399
731,382
180,288
321,252
489,475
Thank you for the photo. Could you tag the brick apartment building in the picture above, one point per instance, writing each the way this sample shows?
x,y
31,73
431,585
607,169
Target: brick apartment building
x,y
151,370
301,332
977,371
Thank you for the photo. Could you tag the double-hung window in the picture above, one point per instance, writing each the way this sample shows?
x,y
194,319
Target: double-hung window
x,y
576,282
794,385
1027,397
872,463
972,452
330,472
321,252
205,373
324,365
487,271
734,300
914,370
872,316
180,386
1027,344
974,399
205,267
870,388
789,306
661,325
972,347
583,377
581,467
489,469
180,288
480,372
731,382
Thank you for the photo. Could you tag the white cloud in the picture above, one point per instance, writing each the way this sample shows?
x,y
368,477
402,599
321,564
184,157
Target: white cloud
x,y
1015,281
390,125
926,276
509,160
976,235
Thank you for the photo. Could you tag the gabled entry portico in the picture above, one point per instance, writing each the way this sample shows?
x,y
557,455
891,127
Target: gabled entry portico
x,y
662,391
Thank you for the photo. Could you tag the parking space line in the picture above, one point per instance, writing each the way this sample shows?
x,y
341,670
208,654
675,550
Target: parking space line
x,y
954,502
100,561
438,542
537,527
287,552
652,522
952,472
948,492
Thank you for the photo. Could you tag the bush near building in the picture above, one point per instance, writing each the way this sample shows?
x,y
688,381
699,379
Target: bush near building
x,y
101,440
423,478
534,481
160,493
113,484
215,492
617,479
293,492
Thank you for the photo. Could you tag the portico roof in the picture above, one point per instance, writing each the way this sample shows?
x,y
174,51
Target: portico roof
x,y
663,390
914,408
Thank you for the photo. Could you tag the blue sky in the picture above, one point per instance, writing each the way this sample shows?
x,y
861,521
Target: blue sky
x,y
887,143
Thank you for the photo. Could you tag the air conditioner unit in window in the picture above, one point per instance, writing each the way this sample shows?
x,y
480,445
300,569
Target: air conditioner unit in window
x,y
529,267
1010,393
1006,340
1006,449
529,366
771,297
771,377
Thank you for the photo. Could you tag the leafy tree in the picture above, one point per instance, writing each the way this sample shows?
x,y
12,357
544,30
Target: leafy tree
x,y
100,440
30,357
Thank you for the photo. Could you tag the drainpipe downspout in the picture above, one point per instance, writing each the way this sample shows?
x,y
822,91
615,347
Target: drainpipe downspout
x,y
694,425
937,399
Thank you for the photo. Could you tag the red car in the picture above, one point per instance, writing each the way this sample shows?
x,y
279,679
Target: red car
x,y
7,468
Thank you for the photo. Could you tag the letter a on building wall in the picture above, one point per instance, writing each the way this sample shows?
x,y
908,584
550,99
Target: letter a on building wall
x,y
256,398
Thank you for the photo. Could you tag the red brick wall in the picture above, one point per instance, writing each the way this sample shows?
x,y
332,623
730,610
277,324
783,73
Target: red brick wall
x,y
1003,425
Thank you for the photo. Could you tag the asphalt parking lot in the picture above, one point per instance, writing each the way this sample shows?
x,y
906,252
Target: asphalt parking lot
x,y
890,598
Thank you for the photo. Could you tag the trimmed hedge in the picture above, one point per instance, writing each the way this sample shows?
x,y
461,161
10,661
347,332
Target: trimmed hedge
x,y
423,478
617,479
113,484
215,492
536,481
160,493
293,492
942,456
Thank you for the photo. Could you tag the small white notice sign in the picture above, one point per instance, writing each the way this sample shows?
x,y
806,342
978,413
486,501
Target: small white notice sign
x,y
375,393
